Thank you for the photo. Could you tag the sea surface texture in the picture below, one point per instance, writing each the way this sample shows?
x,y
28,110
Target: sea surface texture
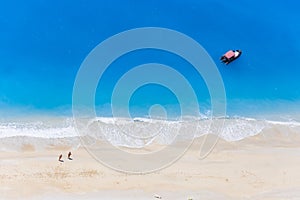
x,y
43,44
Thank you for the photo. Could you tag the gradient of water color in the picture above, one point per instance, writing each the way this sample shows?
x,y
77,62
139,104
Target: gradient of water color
x,y
44,43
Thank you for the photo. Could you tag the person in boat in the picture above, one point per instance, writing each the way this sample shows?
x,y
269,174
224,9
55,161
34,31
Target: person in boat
x,y
230,56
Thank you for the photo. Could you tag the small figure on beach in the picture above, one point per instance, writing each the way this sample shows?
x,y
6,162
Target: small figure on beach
x,y
69,155
60,158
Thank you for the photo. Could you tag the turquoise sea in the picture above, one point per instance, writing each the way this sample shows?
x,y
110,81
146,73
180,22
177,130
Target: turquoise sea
x,y
43,44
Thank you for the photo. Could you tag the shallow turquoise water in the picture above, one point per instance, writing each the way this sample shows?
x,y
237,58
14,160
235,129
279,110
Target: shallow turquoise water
x,y
44,43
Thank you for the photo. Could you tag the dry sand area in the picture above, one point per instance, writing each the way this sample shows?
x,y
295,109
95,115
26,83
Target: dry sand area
x,y
260,167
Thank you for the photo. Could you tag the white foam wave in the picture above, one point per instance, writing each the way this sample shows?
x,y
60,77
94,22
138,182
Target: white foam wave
x,y
139,132
239,128
46,128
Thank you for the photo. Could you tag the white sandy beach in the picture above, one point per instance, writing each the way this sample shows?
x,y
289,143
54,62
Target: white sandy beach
x,y
260,167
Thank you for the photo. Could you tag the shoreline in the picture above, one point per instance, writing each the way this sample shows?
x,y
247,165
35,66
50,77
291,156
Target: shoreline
x,y
253,167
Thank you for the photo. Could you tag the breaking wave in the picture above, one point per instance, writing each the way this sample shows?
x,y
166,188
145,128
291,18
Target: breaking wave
x,y
137,132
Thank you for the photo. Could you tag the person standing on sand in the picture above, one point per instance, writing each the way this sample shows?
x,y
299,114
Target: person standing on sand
x,y
60,158
69,155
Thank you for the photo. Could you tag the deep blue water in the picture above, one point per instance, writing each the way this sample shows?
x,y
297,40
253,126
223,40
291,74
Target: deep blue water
x,y
43,43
